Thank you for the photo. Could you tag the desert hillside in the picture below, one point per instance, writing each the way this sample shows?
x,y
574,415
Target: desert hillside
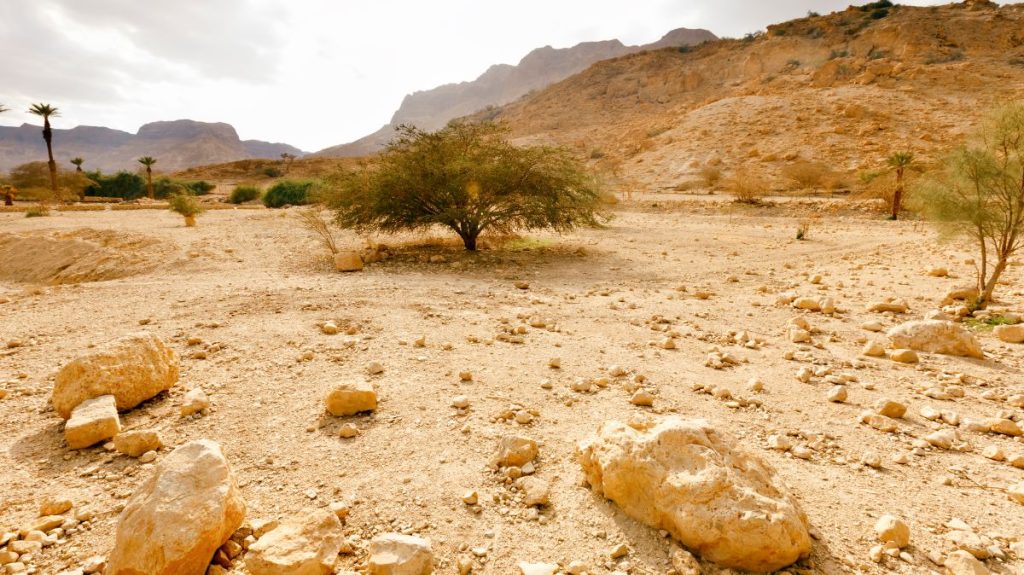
x,y
503,83
844,89
177,144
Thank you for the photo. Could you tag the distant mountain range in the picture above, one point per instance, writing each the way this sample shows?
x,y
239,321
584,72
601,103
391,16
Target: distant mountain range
x,y
504,83
176,145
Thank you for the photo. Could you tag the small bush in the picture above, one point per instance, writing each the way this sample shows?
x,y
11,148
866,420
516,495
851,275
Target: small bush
x,y
199,188
747,186
954,56
803,229
806,175
272,172
37,212
711,175
243,194
288,193
596,154
185,204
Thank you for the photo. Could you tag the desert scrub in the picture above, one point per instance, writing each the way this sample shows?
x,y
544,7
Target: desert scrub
x,y
187,206
747,187
243,194
37,212
288,193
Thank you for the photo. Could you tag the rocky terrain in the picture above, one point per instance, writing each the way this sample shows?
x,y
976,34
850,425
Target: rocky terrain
x,y
177,145
843,90
551,404
501,84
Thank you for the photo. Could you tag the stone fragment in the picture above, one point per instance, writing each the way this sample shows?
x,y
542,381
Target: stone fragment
x,y
136,442
890,529
55,506
395,554
536,491
873,349
890,408
904,356
1010,333
351,398
306,544
92,421
178,518
132,369
837,394
963,563
537,568
516,451
195,401
691,480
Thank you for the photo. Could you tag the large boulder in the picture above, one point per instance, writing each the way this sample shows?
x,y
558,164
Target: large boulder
x,y
687,478
133,369
177,519
935,336
304,545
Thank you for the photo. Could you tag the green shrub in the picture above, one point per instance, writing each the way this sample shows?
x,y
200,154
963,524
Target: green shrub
x,y
288,193
272,172
200,188
185,204
243,194
124,185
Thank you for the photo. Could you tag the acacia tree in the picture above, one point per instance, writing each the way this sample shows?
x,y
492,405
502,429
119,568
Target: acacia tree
x,y
46,111
77,163
979,193
466,177
148,161
287,159
899,162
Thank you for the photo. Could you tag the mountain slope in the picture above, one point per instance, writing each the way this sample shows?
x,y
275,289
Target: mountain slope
x,y
503,83
176,145
845,90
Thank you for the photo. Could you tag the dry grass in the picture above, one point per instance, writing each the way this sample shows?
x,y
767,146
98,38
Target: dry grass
x,y
748,186
314,221
808,175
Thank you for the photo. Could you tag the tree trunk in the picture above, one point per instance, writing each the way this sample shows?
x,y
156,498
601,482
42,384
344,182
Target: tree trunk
x,y
149,182
897,196
990,285
469,240
48,137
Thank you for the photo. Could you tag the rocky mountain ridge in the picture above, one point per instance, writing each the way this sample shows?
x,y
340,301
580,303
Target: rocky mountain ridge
x,y
176,144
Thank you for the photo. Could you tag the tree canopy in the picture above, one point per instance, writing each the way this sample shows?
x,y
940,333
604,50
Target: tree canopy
x,y
469,178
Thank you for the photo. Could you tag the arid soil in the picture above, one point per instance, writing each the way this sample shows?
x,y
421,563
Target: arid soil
x,y
255,288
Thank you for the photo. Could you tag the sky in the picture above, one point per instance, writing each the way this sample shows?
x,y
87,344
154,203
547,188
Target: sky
x,y
311,73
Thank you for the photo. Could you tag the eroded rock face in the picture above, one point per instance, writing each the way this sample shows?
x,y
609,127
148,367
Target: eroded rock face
x,y
935,336
686,477
304,545
178,518
133,369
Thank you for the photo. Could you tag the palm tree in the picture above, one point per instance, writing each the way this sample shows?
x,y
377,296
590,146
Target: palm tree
x,y
148,161
78,163
899,162
46,111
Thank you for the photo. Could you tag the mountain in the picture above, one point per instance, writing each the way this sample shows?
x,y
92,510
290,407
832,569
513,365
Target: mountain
x,y
503,83
176,145
843,90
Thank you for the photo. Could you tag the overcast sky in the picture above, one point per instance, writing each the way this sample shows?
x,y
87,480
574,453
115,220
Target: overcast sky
x,y
311,73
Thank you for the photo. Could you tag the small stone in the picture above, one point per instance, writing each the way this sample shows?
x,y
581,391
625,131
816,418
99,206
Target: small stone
x,y
351,398
348,431
1003,426
889,529
92,421
516,451
471,497
523,417
307,543
904,356
555,363
136,442
943,438
466,376
460,402
1016,493
194,401
879,422
963,563
94,564
837,394
537,568
890,408
147,457
873,349
874,326
329,328
395,554
872,460
667,343
642,399
374,368
619,551
54,506
536,491
994,452
684,562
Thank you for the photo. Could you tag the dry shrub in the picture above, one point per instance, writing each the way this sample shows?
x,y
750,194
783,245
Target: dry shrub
x,y
807,175
748,186
313,220
711,175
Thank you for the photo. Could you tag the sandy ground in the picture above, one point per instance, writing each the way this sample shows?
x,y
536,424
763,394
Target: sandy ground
x,y
254,283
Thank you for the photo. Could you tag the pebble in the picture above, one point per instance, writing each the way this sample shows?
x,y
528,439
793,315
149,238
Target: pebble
x,y
329,328
460,402
348,431
890,529
837,394
375,368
